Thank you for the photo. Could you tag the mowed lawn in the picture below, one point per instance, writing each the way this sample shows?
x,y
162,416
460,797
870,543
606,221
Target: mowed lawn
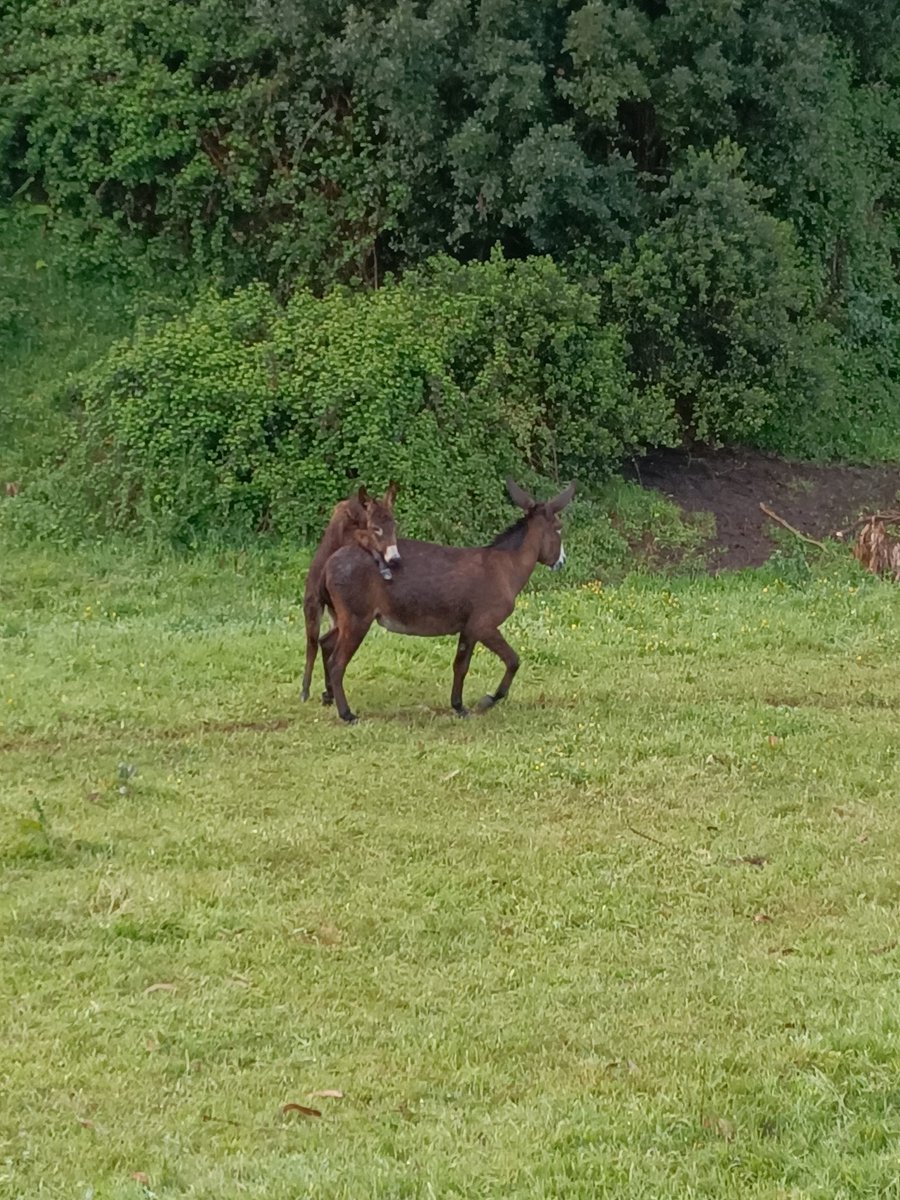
x,y
633,933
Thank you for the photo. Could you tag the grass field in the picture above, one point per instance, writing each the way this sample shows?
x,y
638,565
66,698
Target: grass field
x,y
631,934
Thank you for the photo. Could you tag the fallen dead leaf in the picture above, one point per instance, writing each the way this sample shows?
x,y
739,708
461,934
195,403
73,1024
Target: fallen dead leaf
x,y
450,775
302,1109
862,839
141,1177
328,1093
773,740
85,1123
762,919
720,1125
160,987
240,981
220,1120
326,935
886,948
752,860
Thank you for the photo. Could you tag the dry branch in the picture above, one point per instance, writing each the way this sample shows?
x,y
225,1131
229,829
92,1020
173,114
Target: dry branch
x,y
796,532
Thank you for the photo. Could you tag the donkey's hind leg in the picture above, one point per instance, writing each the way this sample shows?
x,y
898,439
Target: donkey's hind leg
x,y
497,642
312,645
326,645
350,635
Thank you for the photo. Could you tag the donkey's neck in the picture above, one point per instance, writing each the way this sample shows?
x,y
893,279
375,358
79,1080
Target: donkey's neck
x,y
520,546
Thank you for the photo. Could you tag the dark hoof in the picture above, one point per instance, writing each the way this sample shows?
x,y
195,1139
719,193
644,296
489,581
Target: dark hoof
x,y
487,702
327,698
304,693
460,710
350,718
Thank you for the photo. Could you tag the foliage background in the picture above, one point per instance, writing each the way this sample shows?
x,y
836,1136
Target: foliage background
x,y
718,179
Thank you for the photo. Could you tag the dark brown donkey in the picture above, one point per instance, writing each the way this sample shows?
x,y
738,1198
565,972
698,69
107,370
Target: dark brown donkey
x,y
361,521
441,589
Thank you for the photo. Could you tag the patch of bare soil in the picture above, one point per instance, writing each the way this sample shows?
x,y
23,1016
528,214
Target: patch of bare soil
x,y
731,484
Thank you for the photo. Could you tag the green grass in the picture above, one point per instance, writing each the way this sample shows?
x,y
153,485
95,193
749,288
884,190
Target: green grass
x,y
532,950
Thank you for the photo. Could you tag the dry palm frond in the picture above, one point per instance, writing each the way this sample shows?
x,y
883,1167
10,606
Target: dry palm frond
x,y
876,549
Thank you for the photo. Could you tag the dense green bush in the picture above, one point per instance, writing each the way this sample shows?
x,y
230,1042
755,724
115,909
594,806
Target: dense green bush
x,y
718,304
247,415
189,124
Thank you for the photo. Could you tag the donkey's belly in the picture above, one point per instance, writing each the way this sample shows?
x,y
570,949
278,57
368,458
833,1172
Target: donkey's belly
x,y
420,627
393,626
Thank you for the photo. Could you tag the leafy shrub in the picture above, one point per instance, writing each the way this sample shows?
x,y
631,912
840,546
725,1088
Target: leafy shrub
x,y
245,415
193,126
323,141
717,303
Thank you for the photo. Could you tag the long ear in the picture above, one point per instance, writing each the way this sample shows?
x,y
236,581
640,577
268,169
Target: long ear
x,y
363,497
391,494
518,495
558,503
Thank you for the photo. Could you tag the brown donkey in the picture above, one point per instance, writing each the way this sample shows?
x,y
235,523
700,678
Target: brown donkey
x,y
442,589
361,521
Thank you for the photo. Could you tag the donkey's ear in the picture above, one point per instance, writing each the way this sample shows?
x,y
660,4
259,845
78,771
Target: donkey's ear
x,y
518,495
363,496
558,503
391,494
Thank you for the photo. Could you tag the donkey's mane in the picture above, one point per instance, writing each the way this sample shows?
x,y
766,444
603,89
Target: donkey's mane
x,y
511,538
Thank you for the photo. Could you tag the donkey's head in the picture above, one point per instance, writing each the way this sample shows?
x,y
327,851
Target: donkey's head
x,y
551,552
379,522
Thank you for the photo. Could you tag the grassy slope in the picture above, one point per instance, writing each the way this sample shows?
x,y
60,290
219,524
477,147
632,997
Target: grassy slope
x,y
523,946
54,323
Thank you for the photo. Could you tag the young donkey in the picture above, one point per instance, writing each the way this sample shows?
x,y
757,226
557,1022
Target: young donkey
x,y
360,521
443,589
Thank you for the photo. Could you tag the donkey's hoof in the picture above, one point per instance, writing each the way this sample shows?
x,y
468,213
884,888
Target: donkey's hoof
x,y
304,694
350,717
487,702
385,573
327,699
461,710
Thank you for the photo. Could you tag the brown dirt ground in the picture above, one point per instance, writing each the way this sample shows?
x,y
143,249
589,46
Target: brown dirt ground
x,y
730,484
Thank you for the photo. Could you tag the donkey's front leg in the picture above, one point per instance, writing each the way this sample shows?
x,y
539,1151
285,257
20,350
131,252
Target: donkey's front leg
x,y
497,642
460,670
